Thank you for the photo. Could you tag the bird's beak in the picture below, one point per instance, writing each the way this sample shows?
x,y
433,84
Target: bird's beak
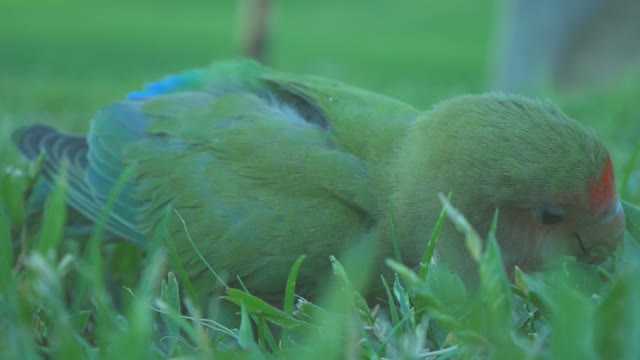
x,y
602,238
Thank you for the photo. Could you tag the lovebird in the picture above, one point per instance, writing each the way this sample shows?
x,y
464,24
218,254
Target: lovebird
x,y
258,167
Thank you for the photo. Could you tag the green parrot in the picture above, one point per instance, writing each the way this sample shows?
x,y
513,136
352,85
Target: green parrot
x,y
260,166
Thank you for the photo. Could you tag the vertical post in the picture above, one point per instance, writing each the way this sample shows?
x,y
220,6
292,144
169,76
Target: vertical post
x,y
256,41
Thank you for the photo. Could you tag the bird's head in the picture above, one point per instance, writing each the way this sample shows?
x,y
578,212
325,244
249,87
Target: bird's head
x,y
551,179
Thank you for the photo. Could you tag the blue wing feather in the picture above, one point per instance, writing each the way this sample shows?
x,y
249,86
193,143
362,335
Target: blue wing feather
x,y
168,85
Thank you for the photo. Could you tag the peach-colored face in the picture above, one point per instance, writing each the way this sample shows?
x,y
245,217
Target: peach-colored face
x,y
588,229
589,238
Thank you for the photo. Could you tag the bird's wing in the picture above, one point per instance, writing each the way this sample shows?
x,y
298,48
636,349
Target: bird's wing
x,y
261,166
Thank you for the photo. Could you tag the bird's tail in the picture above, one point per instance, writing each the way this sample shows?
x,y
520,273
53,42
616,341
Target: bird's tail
x,y
70,153
59,148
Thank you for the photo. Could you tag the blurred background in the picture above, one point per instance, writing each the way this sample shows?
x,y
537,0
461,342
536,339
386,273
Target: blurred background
x,y
61,61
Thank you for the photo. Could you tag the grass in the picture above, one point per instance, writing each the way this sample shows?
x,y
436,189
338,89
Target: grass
x,y
63,296
60,64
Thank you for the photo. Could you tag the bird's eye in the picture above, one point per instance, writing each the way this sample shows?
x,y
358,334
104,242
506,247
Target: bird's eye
x,y
550,216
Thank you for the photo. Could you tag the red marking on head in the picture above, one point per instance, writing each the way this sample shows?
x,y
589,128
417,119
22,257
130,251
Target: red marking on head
x,y
603,192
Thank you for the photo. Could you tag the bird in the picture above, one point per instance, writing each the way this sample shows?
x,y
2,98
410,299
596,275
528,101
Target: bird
x,y
251,167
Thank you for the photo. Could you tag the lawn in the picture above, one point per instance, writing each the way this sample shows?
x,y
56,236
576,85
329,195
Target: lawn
x,y
60,62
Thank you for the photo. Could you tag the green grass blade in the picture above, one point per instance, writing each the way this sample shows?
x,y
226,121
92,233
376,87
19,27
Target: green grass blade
x,y
393,310
245,335
394,236
265,336
289,294
170,295
54,218
6,253
182,274
255,305
497,295
431,246
12,195
472,239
